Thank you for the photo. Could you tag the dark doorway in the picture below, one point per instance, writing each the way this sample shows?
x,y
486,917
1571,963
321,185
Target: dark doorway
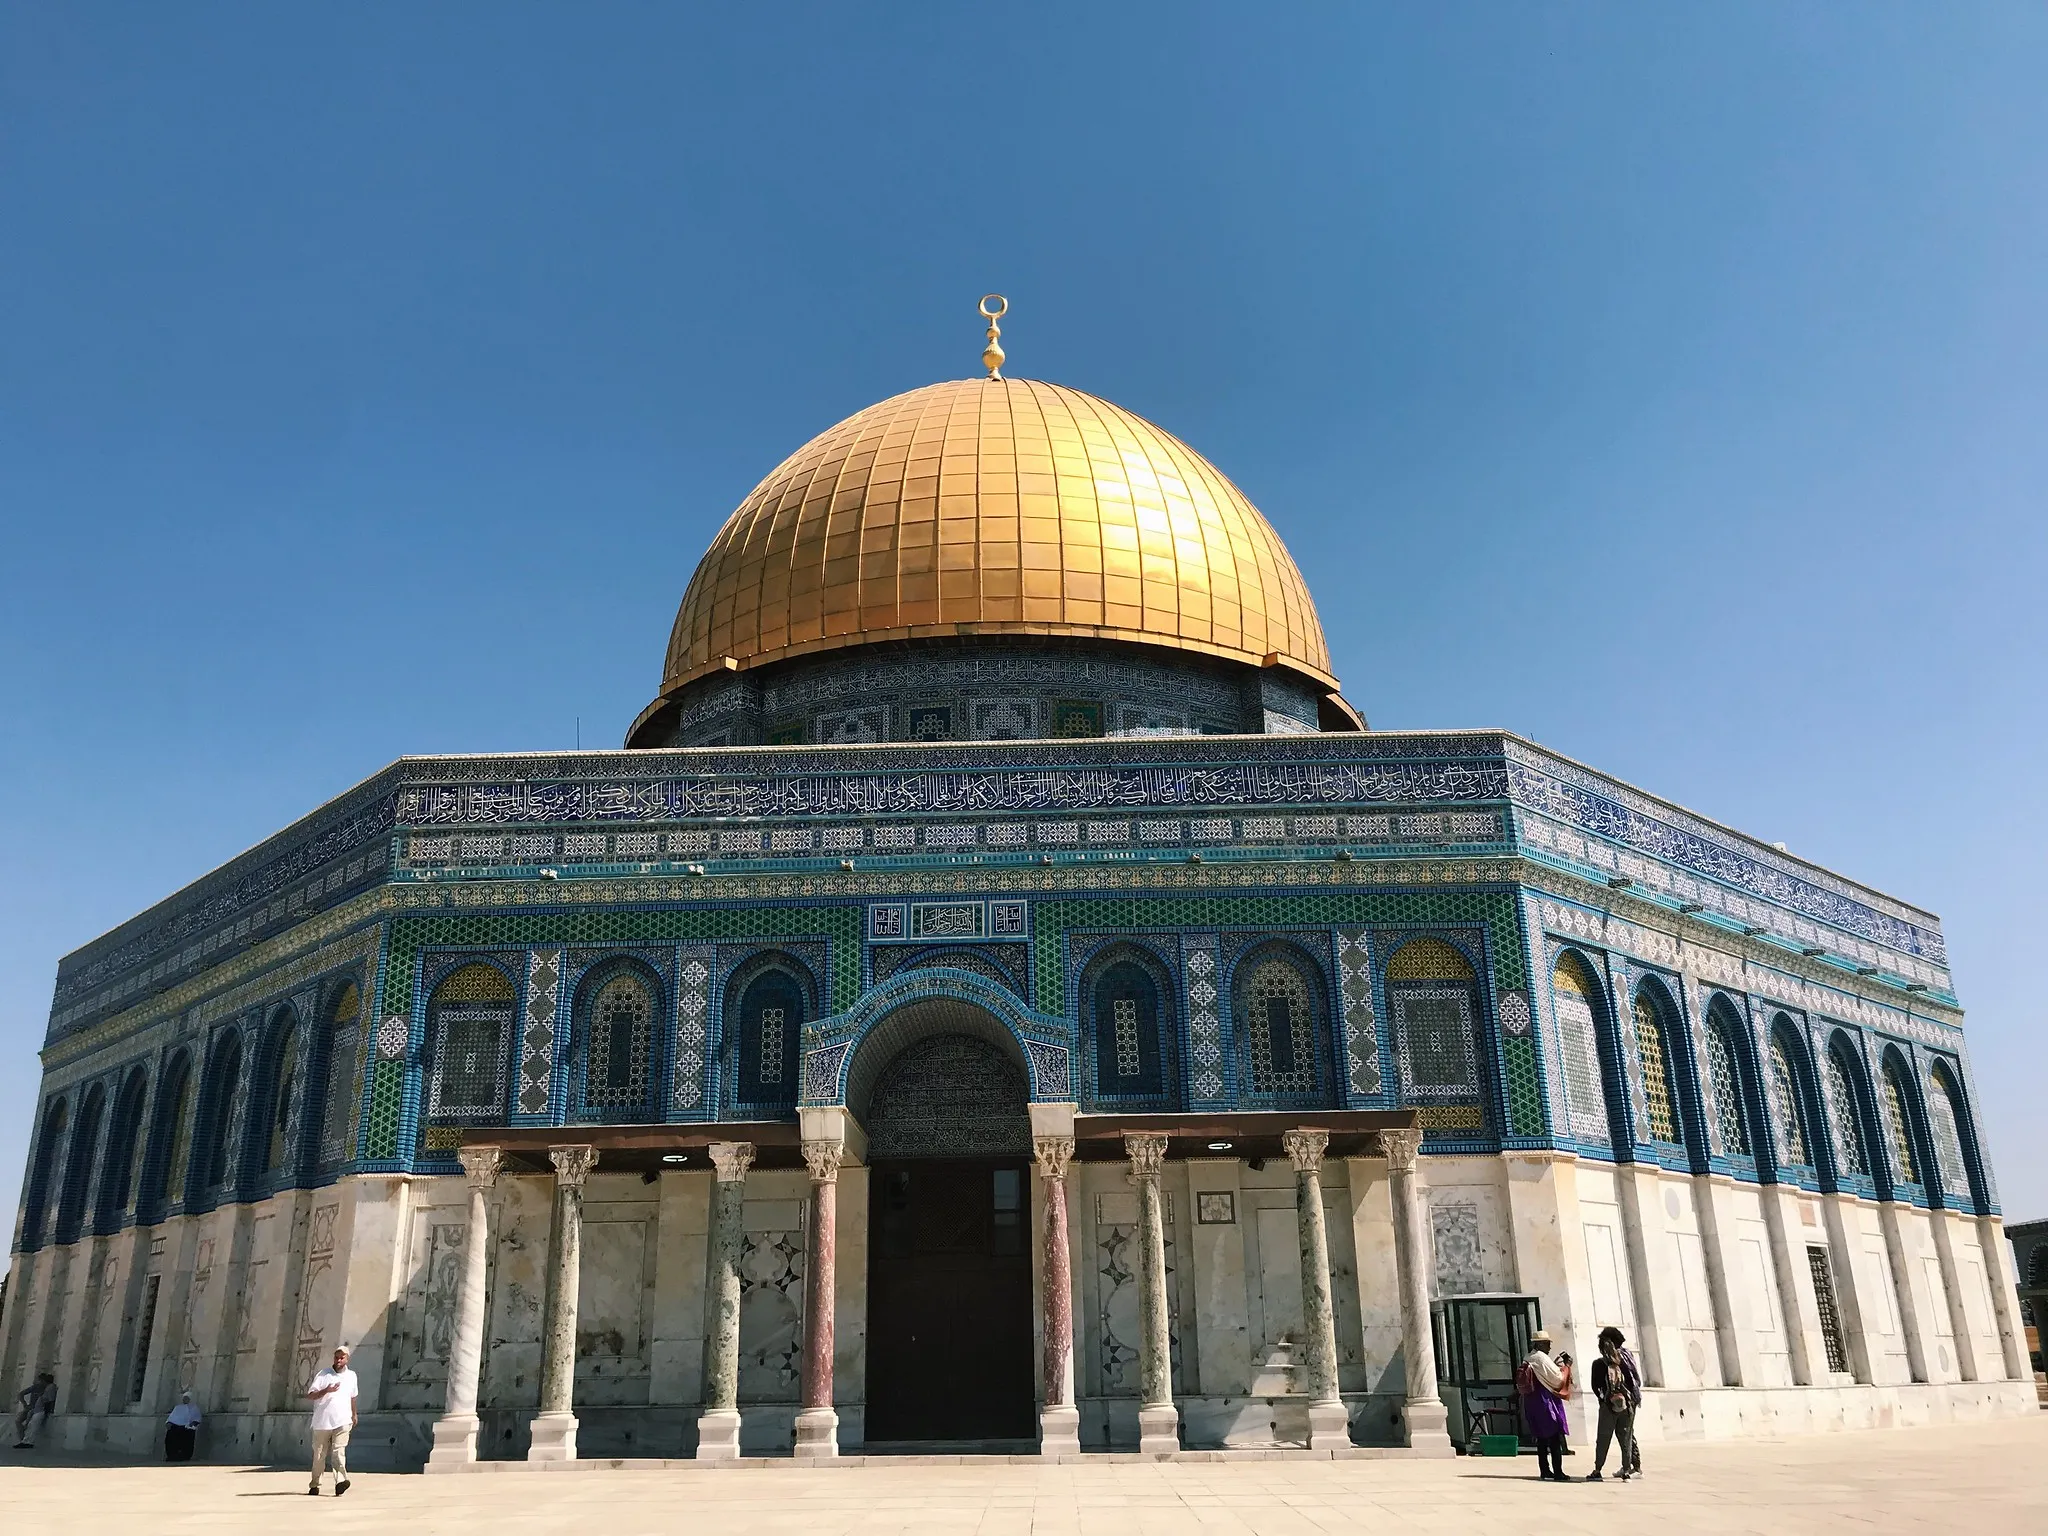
x,y
949,1302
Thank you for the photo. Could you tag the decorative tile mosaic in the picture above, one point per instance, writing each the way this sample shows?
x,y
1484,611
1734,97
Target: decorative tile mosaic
x,y
1361,1029
537,1045
1208,1054
693,1004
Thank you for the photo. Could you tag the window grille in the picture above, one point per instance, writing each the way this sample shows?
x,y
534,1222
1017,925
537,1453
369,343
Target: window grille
x,y
1824,1301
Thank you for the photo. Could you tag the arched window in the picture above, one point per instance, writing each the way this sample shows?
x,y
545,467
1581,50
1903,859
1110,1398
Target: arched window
x,y
1660,1117
78,1161
469,1027
276,1125
1578,1002
1433,995
343,1087
216,1109
1788,1103
117,1179
1945,1120
1280,1024
1845,1121
1725,1078
767,1027
1124,1022
56,1119
1898,1124
171,1141
618,1034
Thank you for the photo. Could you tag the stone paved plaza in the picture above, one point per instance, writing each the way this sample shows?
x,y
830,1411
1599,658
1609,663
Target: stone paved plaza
x,y
1991,1478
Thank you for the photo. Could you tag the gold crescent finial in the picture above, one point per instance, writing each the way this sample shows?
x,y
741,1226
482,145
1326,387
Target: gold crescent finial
x,y
992,354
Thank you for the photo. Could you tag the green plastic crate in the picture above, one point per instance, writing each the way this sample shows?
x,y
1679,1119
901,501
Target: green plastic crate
x,y
1500,1445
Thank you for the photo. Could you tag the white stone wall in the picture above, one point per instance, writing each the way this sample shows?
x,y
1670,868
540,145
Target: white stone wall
x,y
1710,1278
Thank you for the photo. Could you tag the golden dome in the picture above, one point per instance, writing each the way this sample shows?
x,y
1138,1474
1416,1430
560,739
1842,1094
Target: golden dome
x,y
995,507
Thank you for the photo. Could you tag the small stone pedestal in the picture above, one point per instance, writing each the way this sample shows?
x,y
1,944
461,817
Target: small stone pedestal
x,y
1427,1425
554,1437
454,1442
1158,1430
718,1435
1059,1430
1330,1424
817,1434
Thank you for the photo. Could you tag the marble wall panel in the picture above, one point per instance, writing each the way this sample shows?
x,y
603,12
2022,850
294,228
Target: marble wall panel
x,y
522,1218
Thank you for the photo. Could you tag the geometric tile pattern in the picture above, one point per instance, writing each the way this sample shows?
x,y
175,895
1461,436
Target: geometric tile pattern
x,y
1205,1017
537,1046
1354,990
693,1006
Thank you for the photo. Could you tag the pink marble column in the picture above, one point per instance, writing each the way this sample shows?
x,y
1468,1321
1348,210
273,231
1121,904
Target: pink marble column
x,y
1059,1422
817,1424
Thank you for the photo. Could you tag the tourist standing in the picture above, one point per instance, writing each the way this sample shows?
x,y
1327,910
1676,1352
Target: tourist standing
x,y
33,1407
1618,1388
181,1429
333,1393
1543,1385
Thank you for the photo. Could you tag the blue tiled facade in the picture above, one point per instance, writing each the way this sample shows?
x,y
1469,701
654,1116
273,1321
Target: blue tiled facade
x,y
305,980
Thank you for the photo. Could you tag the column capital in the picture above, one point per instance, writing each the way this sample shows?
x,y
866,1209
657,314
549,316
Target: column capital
x,y
1147,1152
1053,1154
823,1159
480,1165
1401,1148
1305,1148
572,1165
732,1159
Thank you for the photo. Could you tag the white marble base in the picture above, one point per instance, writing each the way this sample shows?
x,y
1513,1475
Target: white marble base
x,y
554,1437
1330,1424
1158,1430
1059,1431
817,1434
1428,1428
454,1442
718,1436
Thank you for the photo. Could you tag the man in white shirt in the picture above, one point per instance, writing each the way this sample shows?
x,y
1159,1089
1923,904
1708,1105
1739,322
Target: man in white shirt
x,y
333,1394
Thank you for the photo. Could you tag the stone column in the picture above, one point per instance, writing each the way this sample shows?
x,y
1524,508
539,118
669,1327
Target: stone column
x,y
455,1431
1328,1422
554,1427
1158,1419
2012,1333
817,1424
718,1427
1059,1421
1424,1416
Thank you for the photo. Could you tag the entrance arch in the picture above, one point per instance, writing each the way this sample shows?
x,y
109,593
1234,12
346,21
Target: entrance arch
x,y
941,1088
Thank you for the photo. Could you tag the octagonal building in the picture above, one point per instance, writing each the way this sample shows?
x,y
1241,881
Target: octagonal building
x,y
1002,997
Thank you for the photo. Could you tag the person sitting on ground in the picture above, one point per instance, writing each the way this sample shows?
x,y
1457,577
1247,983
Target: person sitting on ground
x,y
1618,1388
181,1429
1543,1384
34,1405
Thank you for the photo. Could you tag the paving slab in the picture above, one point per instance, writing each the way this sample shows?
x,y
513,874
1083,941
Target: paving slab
x,y
1986,1480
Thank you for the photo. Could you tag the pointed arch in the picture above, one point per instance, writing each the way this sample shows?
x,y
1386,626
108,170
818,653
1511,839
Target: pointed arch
x,y
124,1143
1730,1077
1578,1003
1960,1172
1896,1113
1654,1015
330,1120
216,1112
1846,1094
469,1039
1793,1096
56,1121
768,1000
169,1162
618,1002
1282,1012
78,1162
1433,1003
270,1107
1128,1029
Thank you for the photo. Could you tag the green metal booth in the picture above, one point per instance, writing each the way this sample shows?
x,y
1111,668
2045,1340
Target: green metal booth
x,y
1480,1339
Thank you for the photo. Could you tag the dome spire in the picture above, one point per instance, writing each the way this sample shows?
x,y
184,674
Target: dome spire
x,y
992,354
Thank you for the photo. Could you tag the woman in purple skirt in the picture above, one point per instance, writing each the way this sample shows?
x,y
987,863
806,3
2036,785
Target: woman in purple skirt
x,y
1544,1384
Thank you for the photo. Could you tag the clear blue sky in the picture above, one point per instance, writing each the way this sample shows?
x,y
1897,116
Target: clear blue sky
x,y
1667,384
